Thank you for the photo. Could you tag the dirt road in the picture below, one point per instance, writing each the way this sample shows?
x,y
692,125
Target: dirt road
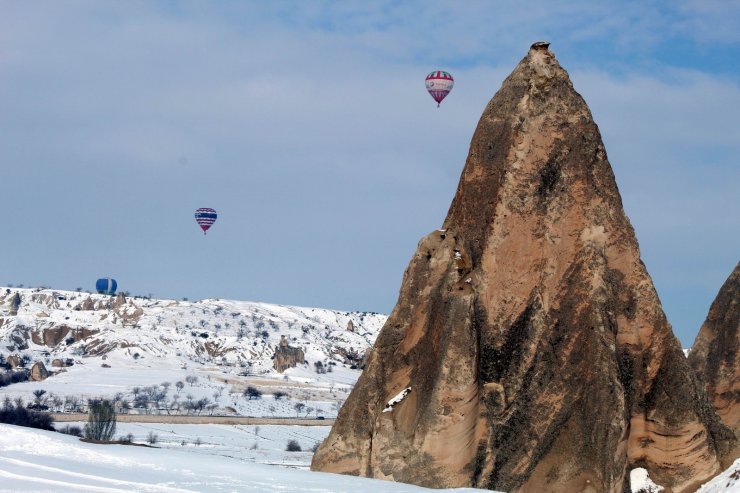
x,y
198,420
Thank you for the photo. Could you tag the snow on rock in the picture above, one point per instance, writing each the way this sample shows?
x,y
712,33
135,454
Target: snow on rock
x,y
398,398
640,482
726,482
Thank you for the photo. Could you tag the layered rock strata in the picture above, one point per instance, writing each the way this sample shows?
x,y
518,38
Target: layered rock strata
x,y
528,350
715,356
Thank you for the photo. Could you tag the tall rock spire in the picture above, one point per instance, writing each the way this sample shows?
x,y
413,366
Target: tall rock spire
x,y
715,356
531,337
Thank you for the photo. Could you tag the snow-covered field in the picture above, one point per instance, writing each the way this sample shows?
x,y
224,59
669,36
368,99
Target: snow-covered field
x,y
262,444
41,461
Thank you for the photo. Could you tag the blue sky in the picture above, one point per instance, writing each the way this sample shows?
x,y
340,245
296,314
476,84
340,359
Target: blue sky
x,y
307,126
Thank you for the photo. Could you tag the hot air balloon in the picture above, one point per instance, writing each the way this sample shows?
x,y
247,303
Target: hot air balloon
x,y
205,217
106,285
439,84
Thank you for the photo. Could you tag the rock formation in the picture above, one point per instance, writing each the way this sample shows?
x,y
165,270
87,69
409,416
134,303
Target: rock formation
x,y
528,331
14,304
287,356
715,356
39,372
13,361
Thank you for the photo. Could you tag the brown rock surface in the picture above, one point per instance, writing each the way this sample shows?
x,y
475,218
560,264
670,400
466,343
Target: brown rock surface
x,y
13,361
39,372
287,356
536,349
53,336
715,356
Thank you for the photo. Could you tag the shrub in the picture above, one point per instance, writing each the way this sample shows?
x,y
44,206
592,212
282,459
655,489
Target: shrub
x,y
71,430
11,377
252,393
101,420
293,446
152,438
17,414
279,395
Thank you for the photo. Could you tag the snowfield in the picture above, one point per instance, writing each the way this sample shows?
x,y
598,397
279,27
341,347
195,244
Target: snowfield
x,y
36,461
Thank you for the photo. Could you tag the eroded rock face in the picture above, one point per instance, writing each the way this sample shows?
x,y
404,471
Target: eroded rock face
x,y
287,356
54,336
715,356
39,372
528,330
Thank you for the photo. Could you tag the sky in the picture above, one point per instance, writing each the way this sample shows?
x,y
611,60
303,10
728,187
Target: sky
x,y
307,126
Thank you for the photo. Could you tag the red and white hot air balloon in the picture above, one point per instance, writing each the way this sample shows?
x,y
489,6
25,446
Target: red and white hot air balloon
x,y
205,217
439,84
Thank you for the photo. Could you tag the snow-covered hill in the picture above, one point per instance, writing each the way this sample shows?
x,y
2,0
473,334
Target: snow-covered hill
x,y
97,345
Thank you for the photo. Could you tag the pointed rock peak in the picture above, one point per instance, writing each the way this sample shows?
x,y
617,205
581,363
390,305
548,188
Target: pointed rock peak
x,y
532,336
715,356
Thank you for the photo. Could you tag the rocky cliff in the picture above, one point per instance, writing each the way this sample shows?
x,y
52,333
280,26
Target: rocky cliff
x,y
528,350
715,356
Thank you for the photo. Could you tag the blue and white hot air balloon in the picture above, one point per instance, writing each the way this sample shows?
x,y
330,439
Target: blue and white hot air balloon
x,y
106,285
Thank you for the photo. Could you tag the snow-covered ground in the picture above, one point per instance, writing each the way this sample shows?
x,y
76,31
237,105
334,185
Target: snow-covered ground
x,y
726,482
35,461
116,346
262,444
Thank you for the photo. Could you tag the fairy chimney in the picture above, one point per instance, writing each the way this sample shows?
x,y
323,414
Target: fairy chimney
x,y
528,350
715,356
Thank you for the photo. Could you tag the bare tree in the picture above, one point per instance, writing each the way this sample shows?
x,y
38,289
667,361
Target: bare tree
x,y
298,408
252,393
101,420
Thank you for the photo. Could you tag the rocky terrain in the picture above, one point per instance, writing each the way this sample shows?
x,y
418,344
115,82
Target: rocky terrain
x,y
528,350
715,356
91,344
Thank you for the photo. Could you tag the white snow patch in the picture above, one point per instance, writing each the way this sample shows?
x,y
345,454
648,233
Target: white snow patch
x,y
640,482
726,482
398,398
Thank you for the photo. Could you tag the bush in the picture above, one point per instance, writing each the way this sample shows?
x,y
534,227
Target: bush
x,y
11,377
152,438
71,430
252,393
101,420
17,414
293,446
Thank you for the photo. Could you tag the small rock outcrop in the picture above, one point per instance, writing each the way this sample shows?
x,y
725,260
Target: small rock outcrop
x,y
13,361
39,372
53,336
14,304
62,363
287,356
715,356
528,350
